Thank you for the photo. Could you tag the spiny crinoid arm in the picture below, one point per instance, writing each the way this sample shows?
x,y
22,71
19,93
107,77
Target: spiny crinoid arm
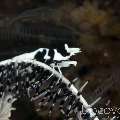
x,y
31,77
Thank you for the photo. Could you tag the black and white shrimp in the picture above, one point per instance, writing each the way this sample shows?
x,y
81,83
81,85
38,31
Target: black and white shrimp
x,y
52,57
25,75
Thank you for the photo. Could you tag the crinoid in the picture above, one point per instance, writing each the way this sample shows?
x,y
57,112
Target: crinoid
x,y
24,75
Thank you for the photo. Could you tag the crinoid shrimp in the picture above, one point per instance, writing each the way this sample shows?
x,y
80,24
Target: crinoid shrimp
x,y
38,76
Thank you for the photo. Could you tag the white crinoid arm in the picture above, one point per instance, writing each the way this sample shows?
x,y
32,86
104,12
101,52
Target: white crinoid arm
x,y
6,102
7,107
27,59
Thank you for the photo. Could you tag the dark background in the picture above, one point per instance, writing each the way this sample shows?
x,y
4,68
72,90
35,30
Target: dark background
x,y
92,25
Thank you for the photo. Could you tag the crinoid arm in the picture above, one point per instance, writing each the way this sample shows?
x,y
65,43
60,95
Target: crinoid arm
x,y
17,77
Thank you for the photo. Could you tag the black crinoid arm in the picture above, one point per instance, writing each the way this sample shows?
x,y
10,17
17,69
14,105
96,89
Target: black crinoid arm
x,y
39,82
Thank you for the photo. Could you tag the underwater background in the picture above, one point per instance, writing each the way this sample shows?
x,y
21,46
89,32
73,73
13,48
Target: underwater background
x,y
92,25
